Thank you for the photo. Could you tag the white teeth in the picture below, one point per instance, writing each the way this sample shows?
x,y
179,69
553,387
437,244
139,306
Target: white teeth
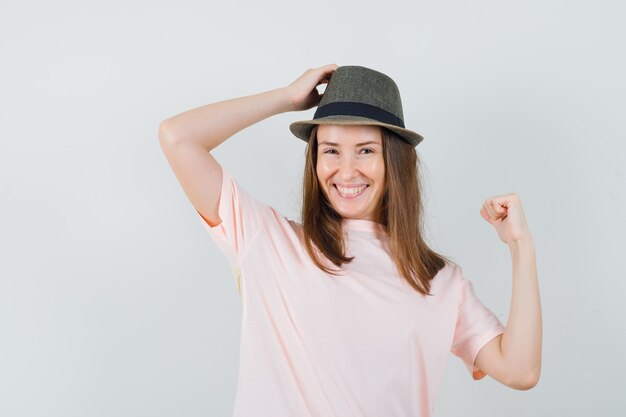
x,y
348,192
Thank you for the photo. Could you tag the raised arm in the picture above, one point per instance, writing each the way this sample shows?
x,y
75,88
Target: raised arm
x,y
514,358
187,138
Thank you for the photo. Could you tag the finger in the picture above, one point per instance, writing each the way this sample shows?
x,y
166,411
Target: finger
x,y
326,71
484,214
502,206
489,209
317,97
497,209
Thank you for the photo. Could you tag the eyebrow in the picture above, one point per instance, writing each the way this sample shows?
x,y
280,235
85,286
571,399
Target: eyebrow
x,y
371,142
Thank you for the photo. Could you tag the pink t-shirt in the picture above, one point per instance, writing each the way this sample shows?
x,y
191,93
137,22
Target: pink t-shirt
x,y
363,344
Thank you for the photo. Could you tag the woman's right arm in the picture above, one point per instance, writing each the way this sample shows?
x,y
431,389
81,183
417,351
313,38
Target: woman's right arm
x,y
187,138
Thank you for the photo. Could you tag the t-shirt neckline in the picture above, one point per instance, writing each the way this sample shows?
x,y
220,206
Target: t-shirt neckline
x,y
363,225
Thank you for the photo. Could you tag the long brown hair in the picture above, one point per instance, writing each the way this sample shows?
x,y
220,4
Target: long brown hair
x,y
399,211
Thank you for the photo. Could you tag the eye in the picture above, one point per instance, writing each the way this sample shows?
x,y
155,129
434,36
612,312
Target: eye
x,y
368,149
329,150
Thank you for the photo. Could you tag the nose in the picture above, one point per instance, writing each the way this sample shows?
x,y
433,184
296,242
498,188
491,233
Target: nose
x,y
348,166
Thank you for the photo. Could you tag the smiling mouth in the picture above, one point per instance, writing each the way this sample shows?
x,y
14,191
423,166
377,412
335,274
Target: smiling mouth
x,y
350,192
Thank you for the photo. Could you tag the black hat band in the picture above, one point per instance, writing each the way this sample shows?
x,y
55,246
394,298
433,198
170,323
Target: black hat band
x,y
351,108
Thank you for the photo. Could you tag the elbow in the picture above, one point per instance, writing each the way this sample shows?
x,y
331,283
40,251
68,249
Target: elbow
x,y
526,382
166,132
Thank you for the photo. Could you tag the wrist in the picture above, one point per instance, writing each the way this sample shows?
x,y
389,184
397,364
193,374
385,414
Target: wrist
x,y
522,245
287,102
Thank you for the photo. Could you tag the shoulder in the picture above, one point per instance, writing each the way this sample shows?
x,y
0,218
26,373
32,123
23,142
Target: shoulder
x,y
447,283
450,275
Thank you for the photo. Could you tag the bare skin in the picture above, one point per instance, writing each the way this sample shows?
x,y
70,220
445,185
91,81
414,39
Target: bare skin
x,y
514,358
350,159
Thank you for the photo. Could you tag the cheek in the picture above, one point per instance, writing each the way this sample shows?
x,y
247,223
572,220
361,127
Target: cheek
x,y
322,170
378,170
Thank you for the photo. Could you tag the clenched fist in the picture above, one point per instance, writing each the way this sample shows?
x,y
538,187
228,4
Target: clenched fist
x,y
505,213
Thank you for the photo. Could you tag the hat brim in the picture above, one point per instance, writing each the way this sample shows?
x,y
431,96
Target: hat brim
x,y
302,129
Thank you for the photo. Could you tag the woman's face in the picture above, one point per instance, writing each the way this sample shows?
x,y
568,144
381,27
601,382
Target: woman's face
x,y
351,168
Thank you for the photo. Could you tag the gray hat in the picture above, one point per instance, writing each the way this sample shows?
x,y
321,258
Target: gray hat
x,y
357,95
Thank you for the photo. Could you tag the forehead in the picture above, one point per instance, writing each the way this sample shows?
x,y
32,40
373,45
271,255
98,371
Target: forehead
x,y
348,134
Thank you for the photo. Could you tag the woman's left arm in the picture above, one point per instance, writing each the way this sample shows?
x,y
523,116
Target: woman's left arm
x,y
520,345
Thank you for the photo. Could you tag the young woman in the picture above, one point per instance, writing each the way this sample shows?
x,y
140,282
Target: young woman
x,y
350,313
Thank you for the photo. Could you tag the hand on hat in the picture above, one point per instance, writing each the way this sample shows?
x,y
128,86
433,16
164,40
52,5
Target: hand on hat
x,y
505,213
303,91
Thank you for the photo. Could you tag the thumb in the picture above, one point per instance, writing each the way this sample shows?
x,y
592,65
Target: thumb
x,y
484,214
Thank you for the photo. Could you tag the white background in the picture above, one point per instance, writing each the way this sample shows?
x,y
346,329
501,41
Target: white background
x,y
114,301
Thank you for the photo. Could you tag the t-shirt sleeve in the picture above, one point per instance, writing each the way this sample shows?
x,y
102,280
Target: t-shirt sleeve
x,y
476,325
242,216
